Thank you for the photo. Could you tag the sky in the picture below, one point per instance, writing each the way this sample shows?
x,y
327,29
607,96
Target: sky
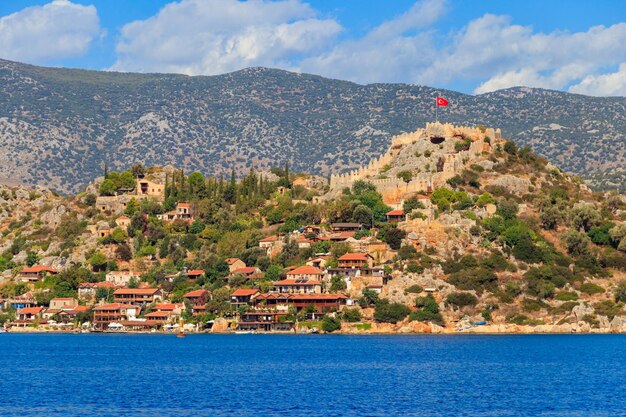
x,y
470,46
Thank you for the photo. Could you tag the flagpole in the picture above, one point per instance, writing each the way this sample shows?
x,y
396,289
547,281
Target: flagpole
x,y
436,110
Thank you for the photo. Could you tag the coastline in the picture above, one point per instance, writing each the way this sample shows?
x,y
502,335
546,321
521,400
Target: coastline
x,y
377,329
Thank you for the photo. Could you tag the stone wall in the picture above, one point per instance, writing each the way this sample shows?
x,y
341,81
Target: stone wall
x,y
392,188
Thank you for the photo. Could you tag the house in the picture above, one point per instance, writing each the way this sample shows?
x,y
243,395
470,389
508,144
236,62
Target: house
x,y
303,242
311,230
22,301
137,295
105,314
298,286
160,316
356,260
346,227
174,308
264,322
243,296
305,273
194,274
235,263
377,288
123,222
198,300
271,244
321,303
150,188
122,277
103,229
318,262
63,303
27,315
88,290
35,273
181,212
248,271
395,216
341,236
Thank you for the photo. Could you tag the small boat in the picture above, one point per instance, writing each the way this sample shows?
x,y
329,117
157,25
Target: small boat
x,y
244,332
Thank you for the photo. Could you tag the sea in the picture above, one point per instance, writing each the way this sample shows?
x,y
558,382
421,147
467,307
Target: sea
x,y
312,375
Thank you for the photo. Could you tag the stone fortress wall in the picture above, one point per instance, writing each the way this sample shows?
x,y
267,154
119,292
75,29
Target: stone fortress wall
x,y
393,188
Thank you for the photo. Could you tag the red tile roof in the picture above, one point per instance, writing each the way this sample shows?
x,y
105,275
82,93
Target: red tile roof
x,y
398,212
354,257
105,284
298,297
246,271
269,239
231,261
111,306
31,310
166,306
305,270
38,268
244,292
289,282
184,205
158,314
195,273
196,293
136,291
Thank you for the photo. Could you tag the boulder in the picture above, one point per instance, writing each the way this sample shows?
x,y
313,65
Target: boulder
x,y
581,310
512,184
220,325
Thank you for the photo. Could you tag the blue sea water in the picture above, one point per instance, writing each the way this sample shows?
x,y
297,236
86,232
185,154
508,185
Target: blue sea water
x,y
284,375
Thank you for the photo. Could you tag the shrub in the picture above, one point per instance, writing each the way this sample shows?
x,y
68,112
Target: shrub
x,y
331,324
566,296
477,279
414,289
620,292
351,315
609,308
590,288
461,299
427,311
414,267
368,298
387,312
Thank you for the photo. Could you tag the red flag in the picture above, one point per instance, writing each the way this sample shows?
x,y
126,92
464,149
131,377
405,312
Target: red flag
x,y
442,101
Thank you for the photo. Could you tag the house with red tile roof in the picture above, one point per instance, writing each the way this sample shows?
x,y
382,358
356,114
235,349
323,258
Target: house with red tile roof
x,y
198,300
137,295
356,260
248,271
264,321
235,263
27,315
298,286
194,274
395,216
243,296
35,273
305,272
105,314
322,303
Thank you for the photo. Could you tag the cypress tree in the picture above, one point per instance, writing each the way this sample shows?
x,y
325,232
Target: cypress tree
x,y
287,174
167,189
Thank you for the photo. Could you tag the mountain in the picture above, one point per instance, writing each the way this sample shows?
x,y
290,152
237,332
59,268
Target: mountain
x,y
59,126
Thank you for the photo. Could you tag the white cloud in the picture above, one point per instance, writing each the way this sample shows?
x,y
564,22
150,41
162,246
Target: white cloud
x,y
57,30
490,52
612,84
216,36
396,50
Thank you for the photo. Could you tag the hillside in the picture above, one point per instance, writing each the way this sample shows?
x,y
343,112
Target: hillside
x,y
451,229
59,126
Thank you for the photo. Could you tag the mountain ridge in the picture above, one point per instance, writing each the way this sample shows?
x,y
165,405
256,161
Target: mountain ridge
x,y
259,117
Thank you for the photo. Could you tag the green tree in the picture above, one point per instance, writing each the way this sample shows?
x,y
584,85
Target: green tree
x,y
577,243
461,299
330,324
351,315
98,261
387,312
585,216
405,175
107,188
393,236
337,284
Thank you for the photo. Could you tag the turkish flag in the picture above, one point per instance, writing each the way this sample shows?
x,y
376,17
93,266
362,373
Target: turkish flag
x,y
442,101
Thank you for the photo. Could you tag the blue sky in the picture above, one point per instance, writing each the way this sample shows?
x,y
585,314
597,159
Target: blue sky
x,y
471,46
